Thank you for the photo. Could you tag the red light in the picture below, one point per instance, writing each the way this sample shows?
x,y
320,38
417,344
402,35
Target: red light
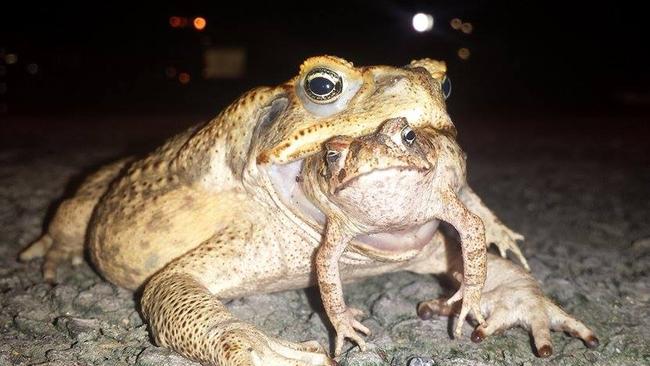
x,y
175,22
184,78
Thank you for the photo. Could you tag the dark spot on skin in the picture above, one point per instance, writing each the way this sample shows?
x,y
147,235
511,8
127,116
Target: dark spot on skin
x,y
299,179
342,174
188,202
155,223
112,251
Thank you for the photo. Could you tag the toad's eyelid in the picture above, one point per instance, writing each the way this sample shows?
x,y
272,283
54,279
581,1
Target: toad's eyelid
x,y
314,75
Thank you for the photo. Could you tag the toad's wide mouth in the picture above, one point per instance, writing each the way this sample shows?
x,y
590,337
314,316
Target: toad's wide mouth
x,y
285,179
378,175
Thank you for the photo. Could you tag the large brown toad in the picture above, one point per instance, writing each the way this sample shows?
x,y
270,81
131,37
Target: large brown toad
x,y
217,212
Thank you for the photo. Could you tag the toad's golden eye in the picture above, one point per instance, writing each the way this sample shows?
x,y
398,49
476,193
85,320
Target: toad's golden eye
x,y
323,85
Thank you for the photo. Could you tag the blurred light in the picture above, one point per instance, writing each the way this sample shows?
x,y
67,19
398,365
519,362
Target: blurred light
x,y
184,78
467,28
3,88
32,69
11,58
171,72
175,22
178,22
463,53
456,23
422,22
225,63
199,23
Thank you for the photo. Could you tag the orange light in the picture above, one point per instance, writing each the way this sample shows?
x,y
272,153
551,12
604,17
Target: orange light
x,y
456,23
464,54
175,22
200,23
184,78
467,28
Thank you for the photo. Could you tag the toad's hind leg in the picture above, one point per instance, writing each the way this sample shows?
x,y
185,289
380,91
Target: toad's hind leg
x,y
182,306
65,237
66,233
511,297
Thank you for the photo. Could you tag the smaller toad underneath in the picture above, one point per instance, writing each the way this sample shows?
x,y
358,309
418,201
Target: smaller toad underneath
x,y
356,185
388,182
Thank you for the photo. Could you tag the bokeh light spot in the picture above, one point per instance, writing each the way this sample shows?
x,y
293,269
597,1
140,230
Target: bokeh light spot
x,y
11,58
32,69
456,23
184,78
464,53
175,22
467,28
422,22
200,23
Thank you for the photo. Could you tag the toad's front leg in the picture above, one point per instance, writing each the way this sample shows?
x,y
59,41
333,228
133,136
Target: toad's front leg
x,y
344,319
472,236
495,231
182,306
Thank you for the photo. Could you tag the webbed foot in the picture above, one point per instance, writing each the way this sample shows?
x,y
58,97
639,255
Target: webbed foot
x,y
536,313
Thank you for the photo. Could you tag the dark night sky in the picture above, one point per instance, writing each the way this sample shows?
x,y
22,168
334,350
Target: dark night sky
x,y
104,56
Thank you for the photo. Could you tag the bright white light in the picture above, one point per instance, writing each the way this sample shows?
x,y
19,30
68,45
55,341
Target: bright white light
x,y
422,22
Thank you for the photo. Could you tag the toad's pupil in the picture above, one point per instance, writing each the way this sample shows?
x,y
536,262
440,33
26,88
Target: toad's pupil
x,y
410,136
446,87
321,86
332,156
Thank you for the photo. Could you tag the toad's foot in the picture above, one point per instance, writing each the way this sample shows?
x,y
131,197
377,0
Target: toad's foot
x,y
518,301
55,253
471,296
256,348
346,326
526,306
505,239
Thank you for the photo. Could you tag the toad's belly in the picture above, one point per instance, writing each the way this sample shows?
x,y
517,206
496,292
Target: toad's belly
x,y
353,266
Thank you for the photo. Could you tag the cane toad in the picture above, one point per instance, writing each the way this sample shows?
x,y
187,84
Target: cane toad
x,y
205,217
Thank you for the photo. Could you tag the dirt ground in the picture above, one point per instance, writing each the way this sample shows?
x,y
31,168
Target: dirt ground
x,y
577,188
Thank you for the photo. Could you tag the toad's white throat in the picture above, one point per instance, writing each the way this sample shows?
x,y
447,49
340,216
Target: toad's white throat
x,y
285,179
